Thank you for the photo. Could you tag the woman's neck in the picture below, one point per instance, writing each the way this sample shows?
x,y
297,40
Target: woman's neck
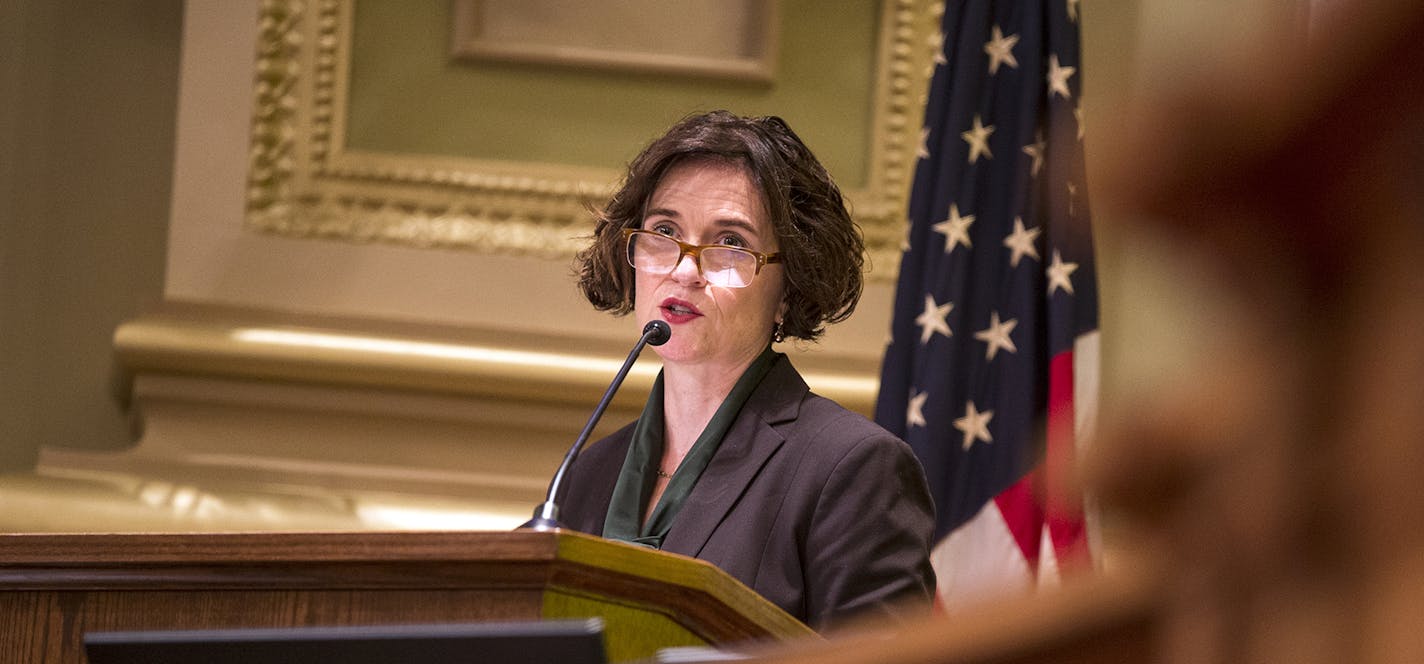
x,y
691,396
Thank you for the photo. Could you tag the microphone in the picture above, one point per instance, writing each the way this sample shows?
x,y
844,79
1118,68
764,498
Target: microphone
x,y
546,516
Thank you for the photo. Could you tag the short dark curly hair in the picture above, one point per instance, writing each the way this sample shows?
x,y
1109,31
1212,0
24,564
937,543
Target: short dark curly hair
x,y
822,248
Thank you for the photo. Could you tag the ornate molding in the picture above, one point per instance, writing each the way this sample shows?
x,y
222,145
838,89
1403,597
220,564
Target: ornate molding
x,y
250,345
303,181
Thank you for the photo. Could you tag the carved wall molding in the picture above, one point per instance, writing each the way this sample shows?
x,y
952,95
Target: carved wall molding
x,y
197,339
304,182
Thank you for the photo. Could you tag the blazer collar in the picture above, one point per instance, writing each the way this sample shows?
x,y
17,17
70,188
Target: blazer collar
x,y
751,441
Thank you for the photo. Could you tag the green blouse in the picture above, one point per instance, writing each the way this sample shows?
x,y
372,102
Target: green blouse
x,y
645,453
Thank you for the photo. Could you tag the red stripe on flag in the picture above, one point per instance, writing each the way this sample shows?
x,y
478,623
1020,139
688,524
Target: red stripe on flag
x,y
1023,515
1063,503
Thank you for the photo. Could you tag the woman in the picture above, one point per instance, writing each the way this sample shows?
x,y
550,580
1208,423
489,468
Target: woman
x,y
729,229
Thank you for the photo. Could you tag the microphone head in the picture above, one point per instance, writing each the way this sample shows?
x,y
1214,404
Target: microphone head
x,y
657,332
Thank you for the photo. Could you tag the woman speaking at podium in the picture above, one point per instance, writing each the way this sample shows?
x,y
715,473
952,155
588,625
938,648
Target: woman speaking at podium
x,y
732,232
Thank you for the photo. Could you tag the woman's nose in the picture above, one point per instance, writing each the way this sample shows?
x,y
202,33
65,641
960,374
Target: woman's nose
x,y
687,270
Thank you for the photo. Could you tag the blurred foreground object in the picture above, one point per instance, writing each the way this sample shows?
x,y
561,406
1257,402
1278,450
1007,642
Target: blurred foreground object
x,y
1275,501
1281,493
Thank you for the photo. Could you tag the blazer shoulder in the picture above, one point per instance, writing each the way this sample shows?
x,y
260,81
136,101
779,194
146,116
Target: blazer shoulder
x,y
832,426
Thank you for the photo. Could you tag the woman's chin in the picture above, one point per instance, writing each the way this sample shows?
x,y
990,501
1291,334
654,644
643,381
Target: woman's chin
x,y
673,353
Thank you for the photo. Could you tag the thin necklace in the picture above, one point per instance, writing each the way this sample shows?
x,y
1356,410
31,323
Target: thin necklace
x,y
664,474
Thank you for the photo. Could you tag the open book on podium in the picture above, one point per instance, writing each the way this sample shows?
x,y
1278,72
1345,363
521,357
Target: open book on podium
x,y
56,588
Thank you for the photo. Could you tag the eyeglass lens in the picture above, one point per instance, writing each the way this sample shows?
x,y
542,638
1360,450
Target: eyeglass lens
x,y
721,266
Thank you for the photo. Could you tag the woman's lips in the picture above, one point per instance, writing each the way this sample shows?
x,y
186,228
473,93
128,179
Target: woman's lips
x,y
678,311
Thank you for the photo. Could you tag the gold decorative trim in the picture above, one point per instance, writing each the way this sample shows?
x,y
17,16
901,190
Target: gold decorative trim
x,y
197,340
191,339
304,182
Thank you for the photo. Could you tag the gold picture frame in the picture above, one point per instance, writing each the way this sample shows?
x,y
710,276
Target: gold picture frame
x,y
304,180
730,39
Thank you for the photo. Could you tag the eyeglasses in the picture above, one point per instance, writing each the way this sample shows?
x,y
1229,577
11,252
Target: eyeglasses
x,y
721,265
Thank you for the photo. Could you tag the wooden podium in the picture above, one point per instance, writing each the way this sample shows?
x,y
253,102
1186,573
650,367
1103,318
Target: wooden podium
x,y
55,588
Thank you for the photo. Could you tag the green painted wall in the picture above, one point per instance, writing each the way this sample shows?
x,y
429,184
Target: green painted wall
x,y
88,93
408,96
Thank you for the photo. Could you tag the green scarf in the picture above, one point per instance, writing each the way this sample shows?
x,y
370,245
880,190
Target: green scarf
x,y
645,453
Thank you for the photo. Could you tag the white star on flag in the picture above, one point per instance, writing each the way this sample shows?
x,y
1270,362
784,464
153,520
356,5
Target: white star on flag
x,y
974,424
1001,51
934,319
1036,150
915,414
1058,274
1021,242
1058,77
955,229
978,140
997,335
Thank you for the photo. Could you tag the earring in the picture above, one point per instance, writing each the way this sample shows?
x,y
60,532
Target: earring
x,y
777,334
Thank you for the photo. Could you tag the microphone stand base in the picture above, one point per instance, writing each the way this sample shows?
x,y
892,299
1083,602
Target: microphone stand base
x,y
545,517
540,524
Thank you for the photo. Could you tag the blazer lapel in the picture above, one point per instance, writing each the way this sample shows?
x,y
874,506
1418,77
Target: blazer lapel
x,y
749,443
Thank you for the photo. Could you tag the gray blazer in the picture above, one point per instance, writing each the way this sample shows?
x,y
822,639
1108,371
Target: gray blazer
x,y
814,507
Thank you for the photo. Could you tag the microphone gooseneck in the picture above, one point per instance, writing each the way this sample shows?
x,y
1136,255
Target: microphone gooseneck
x,y
546,516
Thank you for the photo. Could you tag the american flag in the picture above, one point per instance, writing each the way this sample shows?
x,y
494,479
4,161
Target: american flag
x,y
991,371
